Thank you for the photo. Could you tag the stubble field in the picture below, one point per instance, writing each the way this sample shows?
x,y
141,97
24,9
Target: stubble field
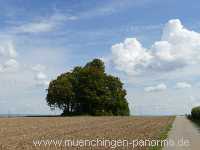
x,y
24,133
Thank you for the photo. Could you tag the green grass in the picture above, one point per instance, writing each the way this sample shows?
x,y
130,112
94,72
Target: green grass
x,y
163,135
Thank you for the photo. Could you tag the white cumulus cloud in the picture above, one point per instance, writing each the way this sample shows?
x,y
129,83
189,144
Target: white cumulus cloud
x,y
38,67
159,87
8,54
40,77
7,49
177,48
183,85
130,56
10,65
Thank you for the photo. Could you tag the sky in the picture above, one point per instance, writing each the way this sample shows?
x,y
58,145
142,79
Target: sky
x,y
152,45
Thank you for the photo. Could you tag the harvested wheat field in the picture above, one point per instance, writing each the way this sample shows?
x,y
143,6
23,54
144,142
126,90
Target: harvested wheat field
x,y
32,133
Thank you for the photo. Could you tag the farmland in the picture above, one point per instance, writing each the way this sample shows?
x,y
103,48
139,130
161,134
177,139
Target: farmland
x,y
19,133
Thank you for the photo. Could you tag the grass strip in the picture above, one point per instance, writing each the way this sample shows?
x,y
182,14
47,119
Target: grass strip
x,y
163,135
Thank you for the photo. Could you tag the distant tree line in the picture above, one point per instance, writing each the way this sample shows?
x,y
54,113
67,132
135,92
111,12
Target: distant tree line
x,y
88,90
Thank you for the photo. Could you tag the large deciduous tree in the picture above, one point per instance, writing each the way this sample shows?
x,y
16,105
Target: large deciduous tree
x,y
88,90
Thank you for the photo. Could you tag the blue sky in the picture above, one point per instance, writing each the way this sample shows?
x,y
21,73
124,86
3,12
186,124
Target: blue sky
x,y
152,45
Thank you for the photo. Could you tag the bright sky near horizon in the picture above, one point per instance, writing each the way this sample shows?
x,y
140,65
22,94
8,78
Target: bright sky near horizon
x,y
152,45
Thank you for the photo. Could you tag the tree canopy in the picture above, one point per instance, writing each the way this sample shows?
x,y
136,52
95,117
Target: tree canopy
x,y
88,90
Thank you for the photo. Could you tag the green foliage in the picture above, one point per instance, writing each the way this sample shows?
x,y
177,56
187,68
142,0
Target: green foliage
x,y
88,90
195,113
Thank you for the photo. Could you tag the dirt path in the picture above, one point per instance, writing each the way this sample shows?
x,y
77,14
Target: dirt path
x,y
184,134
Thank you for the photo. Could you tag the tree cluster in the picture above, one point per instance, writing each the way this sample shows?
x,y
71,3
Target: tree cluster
x,y
88,90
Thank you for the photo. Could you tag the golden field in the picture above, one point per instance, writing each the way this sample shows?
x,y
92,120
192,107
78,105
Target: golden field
x,y
19,133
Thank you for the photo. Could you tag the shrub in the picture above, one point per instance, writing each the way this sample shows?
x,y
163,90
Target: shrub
x,y
195,113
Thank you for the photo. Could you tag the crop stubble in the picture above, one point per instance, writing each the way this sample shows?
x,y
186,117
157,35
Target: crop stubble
x,y
19,133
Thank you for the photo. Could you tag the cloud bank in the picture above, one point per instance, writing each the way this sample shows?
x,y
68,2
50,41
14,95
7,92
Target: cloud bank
x,y
177,48
9,64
